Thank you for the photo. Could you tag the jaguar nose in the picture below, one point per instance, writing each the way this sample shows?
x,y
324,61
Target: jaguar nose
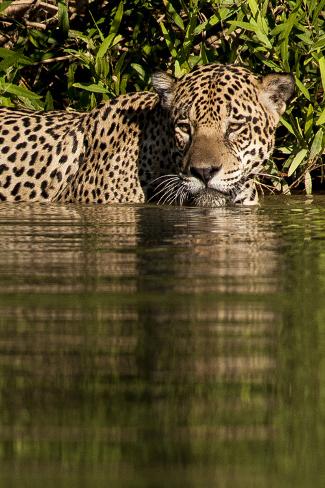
x,y
204,174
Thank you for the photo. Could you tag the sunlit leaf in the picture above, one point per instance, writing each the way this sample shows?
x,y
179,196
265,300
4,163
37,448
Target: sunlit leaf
x,y
112,39
253,27
322,70
117,19
288,126
302,88
12,58
139,69
321,119
206,25
308,183
108,42
19,91
297,160
309,122
168,40
253,6
5,5
91,88
174,14
317,144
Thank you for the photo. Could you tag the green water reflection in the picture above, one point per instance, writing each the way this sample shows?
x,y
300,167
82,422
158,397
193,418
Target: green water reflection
x,y
152,347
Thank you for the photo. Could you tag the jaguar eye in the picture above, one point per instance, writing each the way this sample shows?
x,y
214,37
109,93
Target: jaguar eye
x,y
234,129
183,127
183,132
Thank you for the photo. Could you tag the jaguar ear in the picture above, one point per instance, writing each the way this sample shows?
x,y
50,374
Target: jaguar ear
x,y
276,91
164,86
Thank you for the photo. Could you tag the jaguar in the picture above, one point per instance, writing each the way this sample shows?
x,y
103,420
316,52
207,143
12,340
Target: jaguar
x,y
199,140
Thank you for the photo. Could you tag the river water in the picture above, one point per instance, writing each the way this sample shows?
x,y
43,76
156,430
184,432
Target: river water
x,y
145,346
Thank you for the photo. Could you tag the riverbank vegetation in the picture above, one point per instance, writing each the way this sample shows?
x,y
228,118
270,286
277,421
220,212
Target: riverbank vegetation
x,y
59,54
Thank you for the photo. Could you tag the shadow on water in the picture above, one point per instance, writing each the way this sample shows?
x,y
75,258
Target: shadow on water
x,y
144,346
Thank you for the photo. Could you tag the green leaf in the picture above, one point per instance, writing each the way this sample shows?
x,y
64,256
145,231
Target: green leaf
x,y
262,24
124,82
117,19
263,38
117,39
321,119
63,16
119,64
117,73
288,25
140,70
320,44
317,145
308,184
174,15
19,91
178,70
169,41
112,38
321,62
189,35
105,45
91,87
307,40
6,102
309,121
11,58
318,7
48,101
73,34
243,25
97,28
253,6
284,36
5,5
297,160
253,27
102,68
287,125
302,88
213,20
203,54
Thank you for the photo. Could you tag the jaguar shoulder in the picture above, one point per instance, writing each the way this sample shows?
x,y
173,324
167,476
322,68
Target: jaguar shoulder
x,y
199,141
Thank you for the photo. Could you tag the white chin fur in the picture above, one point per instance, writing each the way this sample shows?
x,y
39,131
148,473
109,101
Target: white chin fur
x,y
193,185
209,198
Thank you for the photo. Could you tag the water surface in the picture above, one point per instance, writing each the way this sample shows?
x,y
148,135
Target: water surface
x,y
145,346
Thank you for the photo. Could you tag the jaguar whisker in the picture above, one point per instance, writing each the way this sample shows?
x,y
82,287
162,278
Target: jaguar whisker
x,y
183,195
168,192
156,193
173,198
167,180
163,176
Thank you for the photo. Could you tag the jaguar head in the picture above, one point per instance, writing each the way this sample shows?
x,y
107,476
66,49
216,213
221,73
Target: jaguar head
x,y
224,120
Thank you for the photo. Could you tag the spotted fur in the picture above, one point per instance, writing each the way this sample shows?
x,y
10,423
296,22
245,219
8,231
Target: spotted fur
x,y
224,132
196,141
